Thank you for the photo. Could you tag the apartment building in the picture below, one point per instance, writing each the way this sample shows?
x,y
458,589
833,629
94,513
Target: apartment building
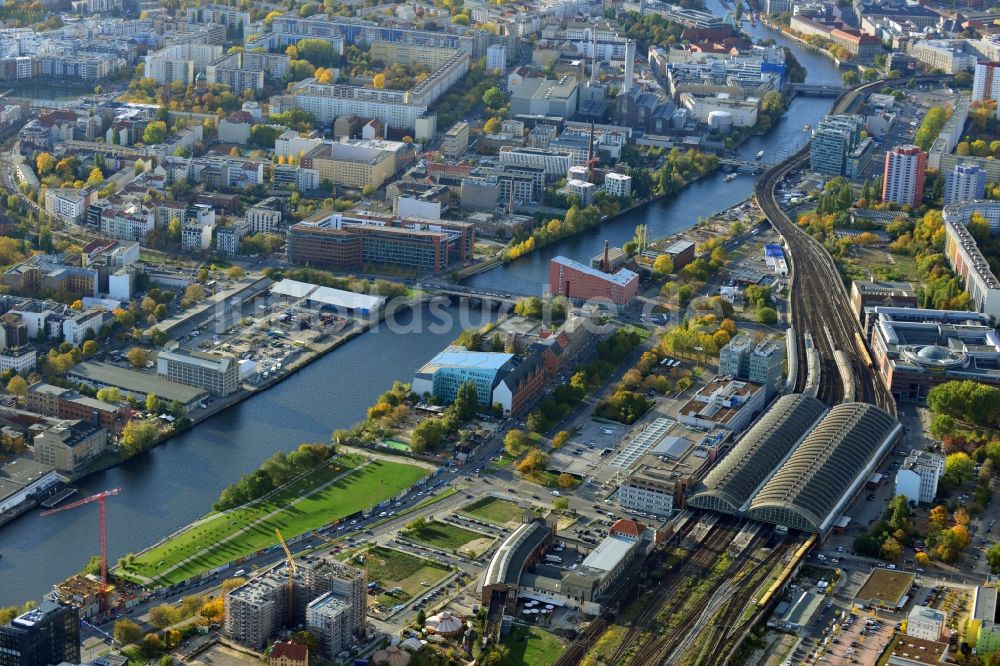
x,y
903,178
46,272
968,262
21,360
554,163
918,476
229,237
264,217
67,204
456,139
181,62
618,184
966,182
949,55
215,373
67,403
69,445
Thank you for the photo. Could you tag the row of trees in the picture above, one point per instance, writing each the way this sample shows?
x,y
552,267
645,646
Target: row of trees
x,y
277,470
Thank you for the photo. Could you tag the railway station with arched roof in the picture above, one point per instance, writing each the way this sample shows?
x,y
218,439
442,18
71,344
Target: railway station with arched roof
x,y
826,469
731,484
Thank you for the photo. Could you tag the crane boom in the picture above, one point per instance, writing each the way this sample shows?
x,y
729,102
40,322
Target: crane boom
x,y
102,514
291,573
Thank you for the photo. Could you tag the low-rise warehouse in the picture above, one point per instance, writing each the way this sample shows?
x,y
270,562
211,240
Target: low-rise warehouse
x,y
102,375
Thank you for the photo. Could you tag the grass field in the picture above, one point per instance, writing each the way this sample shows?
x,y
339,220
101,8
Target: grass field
x,y
446,536
532,646
394,568
396,445
359,489
494,510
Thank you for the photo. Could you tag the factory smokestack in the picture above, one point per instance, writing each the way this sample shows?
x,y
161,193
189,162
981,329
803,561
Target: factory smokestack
x,y
629,66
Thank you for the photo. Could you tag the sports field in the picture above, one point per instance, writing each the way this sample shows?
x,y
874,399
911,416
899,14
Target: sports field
x,y
344,487
394,568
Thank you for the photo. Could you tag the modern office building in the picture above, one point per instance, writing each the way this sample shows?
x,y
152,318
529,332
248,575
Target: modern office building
x,y
833,140
580,282
444,373
723,403
966,182
761,363
554,163
866,293
70,444
333,240
264,217
915,350
903,178
357,163
48,634
216,373
968,262
918,477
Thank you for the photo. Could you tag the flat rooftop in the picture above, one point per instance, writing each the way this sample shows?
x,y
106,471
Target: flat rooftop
x,y
886,587
608,553
622,277
104,374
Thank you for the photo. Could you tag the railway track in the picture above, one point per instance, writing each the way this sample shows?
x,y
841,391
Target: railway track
x,y
660,648
575,651
819,301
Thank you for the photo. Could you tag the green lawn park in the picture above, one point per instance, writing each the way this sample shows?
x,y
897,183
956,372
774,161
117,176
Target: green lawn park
x,y
364,487
531,646
394,568
494,510
445,536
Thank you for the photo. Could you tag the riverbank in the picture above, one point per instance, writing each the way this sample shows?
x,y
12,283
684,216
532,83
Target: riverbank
x,y
308,355
787,32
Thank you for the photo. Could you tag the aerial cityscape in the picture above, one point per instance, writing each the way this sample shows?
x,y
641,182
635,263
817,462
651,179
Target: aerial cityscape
x,y
527,332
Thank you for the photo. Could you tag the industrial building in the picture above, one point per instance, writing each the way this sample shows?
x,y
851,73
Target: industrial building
x,y
137,384
67,403
579,282
915,350
799,465
21,480
69,445
218,374
344,302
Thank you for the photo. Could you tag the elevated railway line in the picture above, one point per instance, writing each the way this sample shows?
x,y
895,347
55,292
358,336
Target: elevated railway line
x,y
819,303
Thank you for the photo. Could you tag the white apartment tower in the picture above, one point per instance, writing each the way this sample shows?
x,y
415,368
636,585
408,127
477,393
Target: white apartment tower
x,y
986,84
917,479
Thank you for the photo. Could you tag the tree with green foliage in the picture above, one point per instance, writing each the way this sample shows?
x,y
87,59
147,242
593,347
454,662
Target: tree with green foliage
x,y
467,401
427,435
494,98
515,442
959,467
152,403
127,632
138,435
155,133
993,558
767,316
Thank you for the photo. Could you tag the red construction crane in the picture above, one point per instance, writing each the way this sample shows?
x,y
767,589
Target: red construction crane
x,y
101,498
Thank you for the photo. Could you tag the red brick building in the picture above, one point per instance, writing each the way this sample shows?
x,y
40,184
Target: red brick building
x,y
580,282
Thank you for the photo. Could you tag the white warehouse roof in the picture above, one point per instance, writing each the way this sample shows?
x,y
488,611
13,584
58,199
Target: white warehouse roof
x,y
327,295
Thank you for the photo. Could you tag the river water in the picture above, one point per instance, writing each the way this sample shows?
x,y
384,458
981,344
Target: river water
x,y
177,482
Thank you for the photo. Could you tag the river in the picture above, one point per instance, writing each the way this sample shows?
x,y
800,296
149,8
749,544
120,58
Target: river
x,y
177,482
